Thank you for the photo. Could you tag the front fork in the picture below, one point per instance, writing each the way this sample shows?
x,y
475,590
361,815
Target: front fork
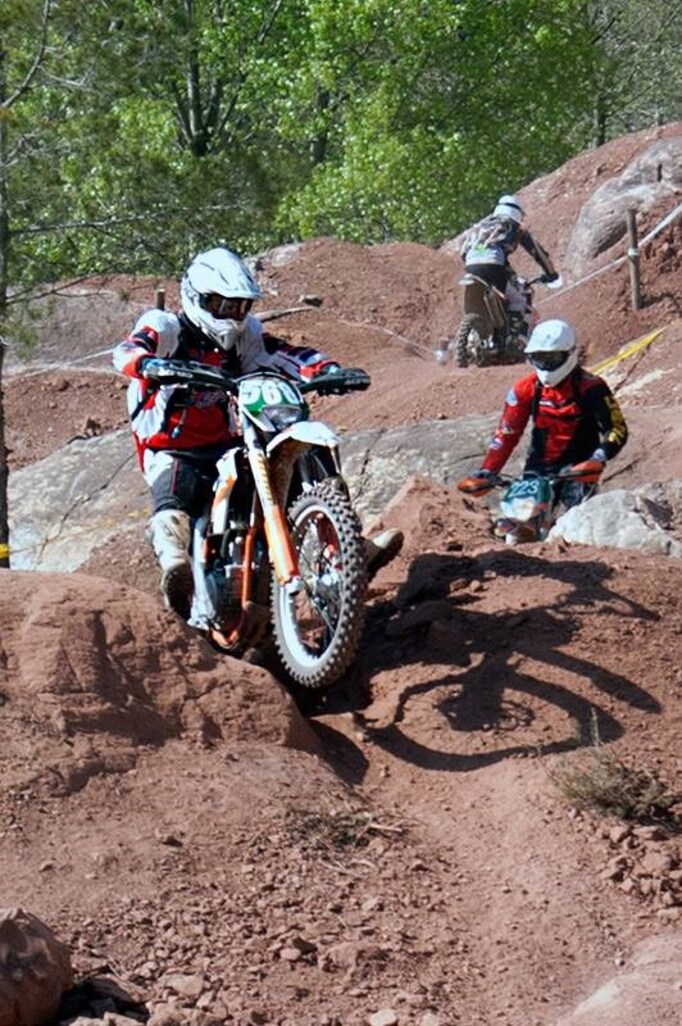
x,y
280,544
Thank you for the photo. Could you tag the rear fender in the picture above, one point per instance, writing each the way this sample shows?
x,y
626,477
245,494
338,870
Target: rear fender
x,y
497,308
474,295
484,300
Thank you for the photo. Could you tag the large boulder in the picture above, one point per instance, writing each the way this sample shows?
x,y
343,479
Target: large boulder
x,y
652,179
86,494
35,970
648,519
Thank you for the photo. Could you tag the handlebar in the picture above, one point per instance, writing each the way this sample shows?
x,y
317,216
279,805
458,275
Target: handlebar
x,y
478,486
187,372
337,382
201,375
504,480
542,279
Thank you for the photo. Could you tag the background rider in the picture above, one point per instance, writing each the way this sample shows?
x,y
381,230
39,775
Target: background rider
x,y
577,424
489,243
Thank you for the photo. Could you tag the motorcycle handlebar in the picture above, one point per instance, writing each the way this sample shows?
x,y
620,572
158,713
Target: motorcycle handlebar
x,y
186,372
201,375
338,382
504,480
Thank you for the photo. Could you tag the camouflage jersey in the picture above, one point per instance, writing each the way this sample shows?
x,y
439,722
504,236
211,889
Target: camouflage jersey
x,y
494,239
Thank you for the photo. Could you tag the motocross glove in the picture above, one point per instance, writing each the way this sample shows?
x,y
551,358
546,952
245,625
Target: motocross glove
x,y
587,472
479,483
151,367
321,367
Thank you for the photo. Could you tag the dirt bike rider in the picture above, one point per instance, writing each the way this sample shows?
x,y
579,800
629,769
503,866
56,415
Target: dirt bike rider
x,y
577,424
489,243
179,433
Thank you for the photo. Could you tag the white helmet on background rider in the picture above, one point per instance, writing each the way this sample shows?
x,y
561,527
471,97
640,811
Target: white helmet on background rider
x,y
217,291
509,207
552,351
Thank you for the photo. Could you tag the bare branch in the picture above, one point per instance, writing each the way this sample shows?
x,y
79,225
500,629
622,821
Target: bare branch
x,y
22,89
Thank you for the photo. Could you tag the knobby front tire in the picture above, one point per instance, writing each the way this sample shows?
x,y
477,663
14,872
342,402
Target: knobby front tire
x,y
317,631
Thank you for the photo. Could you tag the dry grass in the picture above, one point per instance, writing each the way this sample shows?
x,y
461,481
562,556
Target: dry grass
x,y
597,780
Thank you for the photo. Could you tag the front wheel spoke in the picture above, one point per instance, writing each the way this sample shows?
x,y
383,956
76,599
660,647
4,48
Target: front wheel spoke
x,y
310,624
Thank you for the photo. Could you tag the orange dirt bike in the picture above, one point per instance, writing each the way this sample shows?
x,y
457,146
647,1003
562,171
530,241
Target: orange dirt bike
x,y
531,503
489,333
278,554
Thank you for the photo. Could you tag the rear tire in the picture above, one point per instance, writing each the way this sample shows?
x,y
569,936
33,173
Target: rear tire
x,y
468,341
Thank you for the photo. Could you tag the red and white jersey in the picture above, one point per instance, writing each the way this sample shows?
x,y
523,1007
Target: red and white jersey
x,y
570,421
174,417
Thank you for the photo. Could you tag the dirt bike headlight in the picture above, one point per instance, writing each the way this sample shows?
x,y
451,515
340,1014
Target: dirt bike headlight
x,y
281,417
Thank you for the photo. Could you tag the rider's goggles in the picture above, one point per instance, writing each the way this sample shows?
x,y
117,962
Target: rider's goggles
x,y
226,309
548,361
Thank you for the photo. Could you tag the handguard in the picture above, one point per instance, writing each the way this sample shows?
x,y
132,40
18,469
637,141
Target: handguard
x,y
587,472
476,485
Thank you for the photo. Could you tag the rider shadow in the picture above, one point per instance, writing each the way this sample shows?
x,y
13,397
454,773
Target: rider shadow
x,y
493,691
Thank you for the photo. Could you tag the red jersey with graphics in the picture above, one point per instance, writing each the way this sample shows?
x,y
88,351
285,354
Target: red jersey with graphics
x,y
570,421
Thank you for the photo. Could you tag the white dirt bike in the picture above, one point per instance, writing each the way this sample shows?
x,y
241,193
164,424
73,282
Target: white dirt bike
x,y
278,555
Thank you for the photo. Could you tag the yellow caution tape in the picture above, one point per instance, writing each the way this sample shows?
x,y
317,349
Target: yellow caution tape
x,y
640,344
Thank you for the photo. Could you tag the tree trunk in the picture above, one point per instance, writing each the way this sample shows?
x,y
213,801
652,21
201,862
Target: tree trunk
x,y
4,254
4,473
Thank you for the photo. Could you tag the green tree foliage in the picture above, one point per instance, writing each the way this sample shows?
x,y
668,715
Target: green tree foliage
x,y
433,109
160,144
158,129
635,68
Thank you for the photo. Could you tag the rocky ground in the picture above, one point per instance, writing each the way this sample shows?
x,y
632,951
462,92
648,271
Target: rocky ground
x,y
401,850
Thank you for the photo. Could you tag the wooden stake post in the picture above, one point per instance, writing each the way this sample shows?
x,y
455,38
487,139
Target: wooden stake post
x,y
633,256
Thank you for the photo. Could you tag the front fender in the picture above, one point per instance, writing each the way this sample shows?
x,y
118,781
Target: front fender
x,y
307,433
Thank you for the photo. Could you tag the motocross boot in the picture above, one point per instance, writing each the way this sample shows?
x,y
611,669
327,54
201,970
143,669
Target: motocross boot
x,y
517,324
169,534
381,549
499,339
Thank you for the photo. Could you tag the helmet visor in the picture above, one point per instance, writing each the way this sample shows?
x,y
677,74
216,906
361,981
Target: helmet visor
x,y
225,308
549,360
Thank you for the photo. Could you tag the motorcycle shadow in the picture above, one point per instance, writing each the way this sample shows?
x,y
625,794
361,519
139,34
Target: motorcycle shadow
x,y
491,670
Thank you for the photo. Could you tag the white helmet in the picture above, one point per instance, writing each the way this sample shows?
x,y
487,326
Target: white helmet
x,y
217,292
552,351
509,207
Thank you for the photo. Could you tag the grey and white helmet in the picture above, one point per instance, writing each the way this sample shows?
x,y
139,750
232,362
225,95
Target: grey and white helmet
x,y
217,292
509,208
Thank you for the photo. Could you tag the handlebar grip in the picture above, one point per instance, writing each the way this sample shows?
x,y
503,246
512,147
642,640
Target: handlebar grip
x,y
338,382
189,372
